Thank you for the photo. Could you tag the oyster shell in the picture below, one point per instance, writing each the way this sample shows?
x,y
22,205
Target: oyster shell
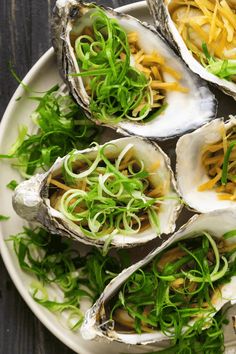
x,y
191,174
184,111
97,324
32,201
164,23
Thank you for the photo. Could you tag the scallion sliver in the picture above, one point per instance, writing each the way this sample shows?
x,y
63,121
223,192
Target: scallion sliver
x,y
226,162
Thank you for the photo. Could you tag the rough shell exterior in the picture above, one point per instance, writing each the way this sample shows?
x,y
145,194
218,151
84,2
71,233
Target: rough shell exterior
x,y
31,200
216,223
184,112
190,171
164,24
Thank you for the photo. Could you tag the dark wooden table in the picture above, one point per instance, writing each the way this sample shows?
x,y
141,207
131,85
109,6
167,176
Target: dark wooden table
x,y
24,37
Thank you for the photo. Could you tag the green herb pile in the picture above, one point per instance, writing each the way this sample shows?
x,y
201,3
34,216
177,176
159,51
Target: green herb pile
x,y
197,340
54,261
117,88
114,198
177,287
61,127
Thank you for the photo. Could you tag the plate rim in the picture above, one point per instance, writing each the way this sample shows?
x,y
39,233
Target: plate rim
x,y
4,252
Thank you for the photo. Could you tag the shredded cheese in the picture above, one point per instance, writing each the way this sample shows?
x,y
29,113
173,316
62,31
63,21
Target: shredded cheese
x,y
153,65
212,22
213,156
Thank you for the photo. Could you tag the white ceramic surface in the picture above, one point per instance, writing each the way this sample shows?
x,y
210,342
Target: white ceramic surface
x,y
41,77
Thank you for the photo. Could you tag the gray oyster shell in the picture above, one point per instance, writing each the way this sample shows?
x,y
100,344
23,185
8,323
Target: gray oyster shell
x,y
164,24
97,327
184,112
31,200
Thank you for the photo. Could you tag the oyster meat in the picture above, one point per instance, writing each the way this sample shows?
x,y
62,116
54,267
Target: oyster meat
x,y
121,193
117,316
206,174
203,33
123,81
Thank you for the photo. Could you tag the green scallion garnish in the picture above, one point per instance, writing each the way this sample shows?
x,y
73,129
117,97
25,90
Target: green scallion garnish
x,y
12,184
116,88
174,289
107,196
61,127
198,340
54,261
223,68
4,218
226,162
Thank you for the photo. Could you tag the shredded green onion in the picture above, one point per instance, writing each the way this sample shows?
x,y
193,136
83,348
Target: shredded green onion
x,y
4,218
106,196
197,340
57,262
226,162
229,234
225,69
117,88
12,184
61,127
175,289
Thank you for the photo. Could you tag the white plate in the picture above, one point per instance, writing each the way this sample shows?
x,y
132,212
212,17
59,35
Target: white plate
x,y
41,77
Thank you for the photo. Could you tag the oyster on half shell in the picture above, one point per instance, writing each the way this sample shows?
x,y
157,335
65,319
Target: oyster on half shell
x,y
186,105
124,206
199,171
201,38
98,325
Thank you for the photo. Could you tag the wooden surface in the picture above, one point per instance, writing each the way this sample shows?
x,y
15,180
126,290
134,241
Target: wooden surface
x,y
24,37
